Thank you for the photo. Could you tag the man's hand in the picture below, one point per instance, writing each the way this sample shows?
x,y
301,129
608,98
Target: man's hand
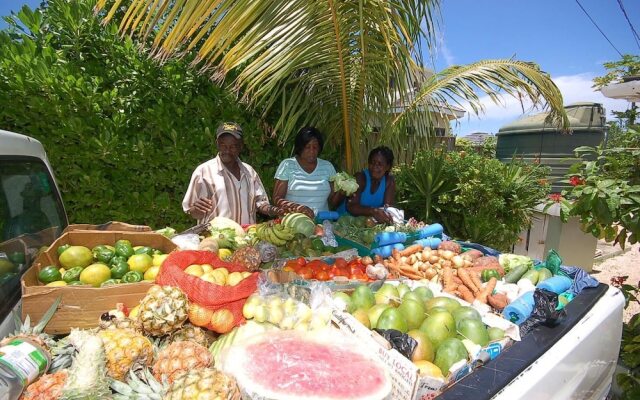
x,y
200,208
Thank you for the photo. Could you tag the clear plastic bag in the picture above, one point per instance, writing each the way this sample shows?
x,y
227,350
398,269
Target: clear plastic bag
x,y
290,364
188,241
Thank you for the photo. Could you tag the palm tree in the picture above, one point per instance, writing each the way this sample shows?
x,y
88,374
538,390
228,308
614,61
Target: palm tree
x,y
335,64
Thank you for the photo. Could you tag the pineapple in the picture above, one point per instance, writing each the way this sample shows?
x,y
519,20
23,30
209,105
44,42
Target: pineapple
x,y
202,384
198,384
145,387
163,310
193,333
249,257
48,387
180,357
118,319
35,333
87,376
125,348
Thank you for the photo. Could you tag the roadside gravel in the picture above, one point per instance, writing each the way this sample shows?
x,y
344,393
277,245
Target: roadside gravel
x,y
626,264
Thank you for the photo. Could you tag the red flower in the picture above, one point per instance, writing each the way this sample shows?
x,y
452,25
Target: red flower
x,y
618,281
576,180
557,197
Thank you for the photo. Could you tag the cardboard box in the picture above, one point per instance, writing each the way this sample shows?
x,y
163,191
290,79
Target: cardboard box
x,y
81,306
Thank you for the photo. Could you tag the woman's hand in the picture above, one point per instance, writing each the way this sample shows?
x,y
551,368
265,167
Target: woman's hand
x,y
382,216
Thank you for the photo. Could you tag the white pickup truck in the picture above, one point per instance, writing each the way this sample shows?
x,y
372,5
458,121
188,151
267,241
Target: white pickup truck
x,y
573,360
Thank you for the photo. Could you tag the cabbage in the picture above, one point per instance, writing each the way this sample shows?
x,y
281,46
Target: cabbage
x,y
345,182
510,261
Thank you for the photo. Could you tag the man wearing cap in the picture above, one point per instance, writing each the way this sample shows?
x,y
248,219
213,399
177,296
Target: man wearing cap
x,y
225,186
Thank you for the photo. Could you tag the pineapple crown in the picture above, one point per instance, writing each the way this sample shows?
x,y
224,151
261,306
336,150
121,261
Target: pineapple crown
x,y
24,328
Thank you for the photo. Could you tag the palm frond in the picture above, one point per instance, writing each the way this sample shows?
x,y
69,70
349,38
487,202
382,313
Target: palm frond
x,y
460,86
328,63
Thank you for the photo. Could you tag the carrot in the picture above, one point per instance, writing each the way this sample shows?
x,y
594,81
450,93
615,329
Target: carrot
x,y
411,249
407,268
498,301
447,279
465,294
466,280
487,291
395,254
475,277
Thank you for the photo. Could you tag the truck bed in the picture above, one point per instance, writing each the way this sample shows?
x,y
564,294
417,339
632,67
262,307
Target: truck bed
x,y
573,360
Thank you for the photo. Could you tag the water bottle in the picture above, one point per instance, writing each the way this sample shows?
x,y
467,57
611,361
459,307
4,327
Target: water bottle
x,y
431,230
330,215
520,309
22,361
387,238
556,284
432,242
385,251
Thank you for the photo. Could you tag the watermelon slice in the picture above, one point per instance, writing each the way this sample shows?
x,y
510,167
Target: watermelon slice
x,y
285,365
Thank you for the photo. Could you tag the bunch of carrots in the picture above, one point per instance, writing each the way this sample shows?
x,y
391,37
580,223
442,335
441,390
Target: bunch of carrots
x,y
458,272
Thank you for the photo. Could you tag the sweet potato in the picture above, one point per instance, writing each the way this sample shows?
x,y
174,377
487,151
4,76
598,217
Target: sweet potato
x,y
498,301
450,245
472,254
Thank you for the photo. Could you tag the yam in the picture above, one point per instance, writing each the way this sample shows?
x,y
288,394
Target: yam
x,y
451,246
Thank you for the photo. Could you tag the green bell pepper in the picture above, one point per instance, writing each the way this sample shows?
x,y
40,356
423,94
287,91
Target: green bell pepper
x,y
17,257
72,274
145,250
119,269
124,249
103,255
132,277
117,259
62,248
487,274
49,274
110,282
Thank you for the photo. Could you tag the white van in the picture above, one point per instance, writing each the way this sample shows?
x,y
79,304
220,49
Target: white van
x,y
32,215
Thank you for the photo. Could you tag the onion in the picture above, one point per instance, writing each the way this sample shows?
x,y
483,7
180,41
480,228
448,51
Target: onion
x,y
447,254
457,261
434,259
446,263
366,260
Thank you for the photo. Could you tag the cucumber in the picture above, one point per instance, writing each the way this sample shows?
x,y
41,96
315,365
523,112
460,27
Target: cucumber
x,y
544,273
516,273
531,275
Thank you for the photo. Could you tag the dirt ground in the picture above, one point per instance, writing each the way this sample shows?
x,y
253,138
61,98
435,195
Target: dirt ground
x,y
625,264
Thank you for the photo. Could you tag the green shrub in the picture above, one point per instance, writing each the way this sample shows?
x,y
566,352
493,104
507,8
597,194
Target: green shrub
x,y
478,199
122,132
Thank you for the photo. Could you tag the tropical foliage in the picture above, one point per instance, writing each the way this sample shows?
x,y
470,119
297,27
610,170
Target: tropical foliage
x,y
122,132
476,198
353,64
605,191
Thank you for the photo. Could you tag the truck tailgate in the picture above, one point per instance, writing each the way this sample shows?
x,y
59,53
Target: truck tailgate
x,y
574,360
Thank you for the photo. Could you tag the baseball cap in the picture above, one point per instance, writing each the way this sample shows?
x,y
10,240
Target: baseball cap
x,y
229,127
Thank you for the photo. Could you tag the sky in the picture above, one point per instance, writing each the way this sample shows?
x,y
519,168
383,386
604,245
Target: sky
x,y
555,34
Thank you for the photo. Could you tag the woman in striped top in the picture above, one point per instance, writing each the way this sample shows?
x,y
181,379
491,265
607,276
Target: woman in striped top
x,y
304,178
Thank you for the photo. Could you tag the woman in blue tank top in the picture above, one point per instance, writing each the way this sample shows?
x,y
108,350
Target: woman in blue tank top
x,y
377,188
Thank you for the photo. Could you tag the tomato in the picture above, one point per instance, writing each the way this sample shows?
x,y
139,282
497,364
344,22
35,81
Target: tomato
x,y
301,261
356,268
342,271
305,273
359,275
333,272
322,276
340,263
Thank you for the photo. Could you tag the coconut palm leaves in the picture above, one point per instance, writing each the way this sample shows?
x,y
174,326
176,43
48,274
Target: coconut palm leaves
x,y
460,85
328,63
344,66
